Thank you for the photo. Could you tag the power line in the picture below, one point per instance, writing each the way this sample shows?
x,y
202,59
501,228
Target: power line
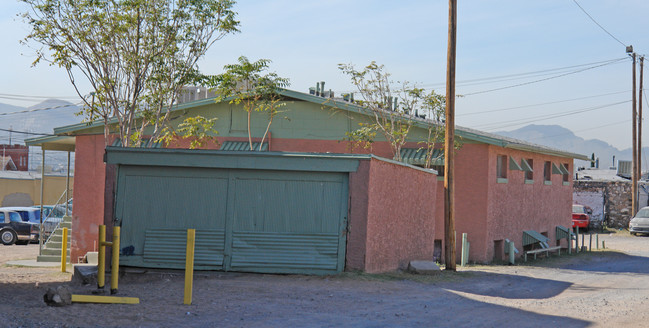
x,y
598,24
545,79
29,133
540,104
499,125
18,97
40,109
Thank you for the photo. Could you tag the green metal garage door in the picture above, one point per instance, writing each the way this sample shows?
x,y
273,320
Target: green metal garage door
x,y
245,220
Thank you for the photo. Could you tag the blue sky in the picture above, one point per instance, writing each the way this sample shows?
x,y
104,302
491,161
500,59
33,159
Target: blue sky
x,y
307,39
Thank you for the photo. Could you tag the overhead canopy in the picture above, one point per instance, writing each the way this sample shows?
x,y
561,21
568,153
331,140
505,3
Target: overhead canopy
x,y
417,156
61,143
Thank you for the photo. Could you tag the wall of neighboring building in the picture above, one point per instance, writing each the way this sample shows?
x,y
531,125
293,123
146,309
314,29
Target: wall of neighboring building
x,y
517,203
88,211
27,192
357,221
617,199
400,216
19,154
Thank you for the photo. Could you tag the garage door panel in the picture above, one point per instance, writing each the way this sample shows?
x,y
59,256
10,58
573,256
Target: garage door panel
x,y
267,251
169,246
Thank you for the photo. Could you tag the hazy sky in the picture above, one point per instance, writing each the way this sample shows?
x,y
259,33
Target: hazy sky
x,y
503,48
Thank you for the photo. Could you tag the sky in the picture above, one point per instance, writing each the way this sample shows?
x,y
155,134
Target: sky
x,y
518,62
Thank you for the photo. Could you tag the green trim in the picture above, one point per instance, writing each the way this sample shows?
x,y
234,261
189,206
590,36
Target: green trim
x,y
440,178
417,156
566,183
556,169
502,180
513,166
547,183
235,159
62,143
526,166
564,169
529,182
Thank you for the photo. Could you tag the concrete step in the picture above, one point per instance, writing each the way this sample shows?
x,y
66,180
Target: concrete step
x,y
53,251
58,237
50,258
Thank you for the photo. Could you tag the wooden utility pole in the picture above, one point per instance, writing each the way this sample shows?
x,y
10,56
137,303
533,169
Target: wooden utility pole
x,y
634,162
449,151
640,122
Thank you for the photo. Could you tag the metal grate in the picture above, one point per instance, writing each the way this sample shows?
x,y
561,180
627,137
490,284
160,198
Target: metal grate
x,y
243,146
531,237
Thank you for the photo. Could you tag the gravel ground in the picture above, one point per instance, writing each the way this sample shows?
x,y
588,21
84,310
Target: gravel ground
x,y
605,288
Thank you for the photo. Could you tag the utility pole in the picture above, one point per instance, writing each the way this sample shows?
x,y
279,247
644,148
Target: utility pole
x,y
449,185
634,132
640,122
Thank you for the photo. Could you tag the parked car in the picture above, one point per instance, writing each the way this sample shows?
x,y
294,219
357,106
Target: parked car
x,y
640,222
580,216
28,214
13,230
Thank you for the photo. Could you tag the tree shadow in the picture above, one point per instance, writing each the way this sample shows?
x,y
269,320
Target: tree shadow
x,y
611,262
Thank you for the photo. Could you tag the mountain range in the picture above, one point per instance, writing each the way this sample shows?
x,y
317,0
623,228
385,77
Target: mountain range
x,y
558,137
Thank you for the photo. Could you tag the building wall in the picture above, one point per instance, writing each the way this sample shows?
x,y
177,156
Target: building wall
x,y
357,221
88,211
19,154
517,204
400,216
27,192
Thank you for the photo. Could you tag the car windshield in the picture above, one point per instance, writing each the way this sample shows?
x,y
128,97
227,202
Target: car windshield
x,y
578,209
643,213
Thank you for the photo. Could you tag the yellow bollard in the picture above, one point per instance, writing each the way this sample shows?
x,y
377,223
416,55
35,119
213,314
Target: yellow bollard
x,y
101,261
189,266
64,250
114,268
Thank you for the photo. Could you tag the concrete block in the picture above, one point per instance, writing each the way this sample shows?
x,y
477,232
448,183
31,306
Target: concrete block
x,y
85,274
423,267
92,258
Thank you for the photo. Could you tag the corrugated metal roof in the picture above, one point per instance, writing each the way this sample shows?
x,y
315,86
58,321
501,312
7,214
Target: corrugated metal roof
x,y
417,156
243,146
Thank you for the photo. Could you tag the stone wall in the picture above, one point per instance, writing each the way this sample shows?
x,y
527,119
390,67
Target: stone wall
x,y
617,200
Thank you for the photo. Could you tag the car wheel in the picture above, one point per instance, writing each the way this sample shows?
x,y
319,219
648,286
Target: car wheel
x,y
8,237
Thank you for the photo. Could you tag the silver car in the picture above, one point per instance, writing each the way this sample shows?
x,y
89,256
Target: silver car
x,y
640,223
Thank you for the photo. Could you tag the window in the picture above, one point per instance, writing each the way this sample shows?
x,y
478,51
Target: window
x,y
529,173
15,217
565,167
2,217
547,172
501,167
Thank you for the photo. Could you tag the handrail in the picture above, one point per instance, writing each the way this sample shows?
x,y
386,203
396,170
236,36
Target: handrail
x,y
58,225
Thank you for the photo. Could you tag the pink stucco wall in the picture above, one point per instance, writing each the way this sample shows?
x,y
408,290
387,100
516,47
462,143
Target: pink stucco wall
x,y
400,216
89,182
490,211
357,220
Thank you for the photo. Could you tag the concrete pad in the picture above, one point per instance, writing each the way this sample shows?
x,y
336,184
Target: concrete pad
x,y
423,267
34,264
85,274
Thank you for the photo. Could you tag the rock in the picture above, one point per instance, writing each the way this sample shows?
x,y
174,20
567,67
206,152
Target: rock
x,y
60,296
423,267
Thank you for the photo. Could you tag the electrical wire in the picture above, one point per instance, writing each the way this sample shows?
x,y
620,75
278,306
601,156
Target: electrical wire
x,y
598,24
499,125
32,97
545,79
28,133
539,104
39,109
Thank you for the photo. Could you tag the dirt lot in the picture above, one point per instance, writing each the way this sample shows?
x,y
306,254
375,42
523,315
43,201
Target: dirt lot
x,y
599,289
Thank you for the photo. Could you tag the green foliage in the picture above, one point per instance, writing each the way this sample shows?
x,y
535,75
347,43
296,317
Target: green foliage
x,y
198,129
136,54
250,85
394,106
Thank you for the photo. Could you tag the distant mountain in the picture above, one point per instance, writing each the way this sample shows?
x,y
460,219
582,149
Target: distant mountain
x,y
561,138
34,121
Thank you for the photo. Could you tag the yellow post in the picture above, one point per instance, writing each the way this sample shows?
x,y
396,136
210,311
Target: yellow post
x,y
101,261
64,250
189,266
114,268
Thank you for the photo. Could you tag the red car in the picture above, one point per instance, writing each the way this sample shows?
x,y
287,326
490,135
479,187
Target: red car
x,y
580,216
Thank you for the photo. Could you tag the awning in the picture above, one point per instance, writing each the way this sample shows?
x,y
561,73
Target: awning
x,y
526,165
243,146
417,156
562,232
62,143
532,237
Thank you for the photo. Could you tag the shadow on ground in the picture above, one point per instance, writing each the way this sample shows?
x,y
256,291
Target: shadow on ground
x,y
510,286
